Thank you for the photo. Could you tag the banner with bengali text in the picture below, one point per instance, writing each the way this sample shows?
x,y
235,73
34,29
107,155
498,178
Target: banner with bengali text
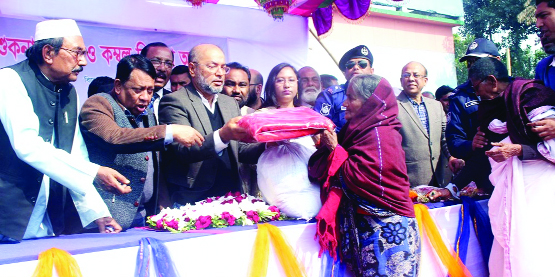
x,y
105,45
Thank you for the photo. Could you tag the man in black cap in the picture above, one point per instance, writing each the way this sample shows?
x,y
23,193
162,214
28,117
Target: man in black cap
x,y
463,138
356,61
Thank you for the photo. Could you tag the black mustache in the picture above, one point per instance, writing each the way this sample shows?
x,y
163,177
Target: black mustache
x,y
161,75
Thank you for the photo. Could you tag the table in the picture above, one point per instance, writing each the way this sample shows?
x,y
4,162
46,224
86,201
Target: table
x,y
210,254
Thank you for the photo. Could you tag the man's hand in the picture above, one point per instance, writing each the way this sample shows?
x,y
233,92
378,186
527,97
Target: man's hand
x,y
186,135
439,194
471,190
328,139
455,164
545,128
232,131
479,140
504,151
108,225
112,181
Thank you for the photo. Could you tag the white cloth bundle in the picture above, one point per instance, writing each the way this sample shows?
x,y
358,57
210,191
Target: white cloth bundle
x,y
283,178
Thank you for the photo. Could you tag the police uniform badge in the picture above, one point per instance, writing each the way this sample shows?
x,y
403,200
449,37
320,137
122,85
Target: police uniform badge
x,y
325,110
364,51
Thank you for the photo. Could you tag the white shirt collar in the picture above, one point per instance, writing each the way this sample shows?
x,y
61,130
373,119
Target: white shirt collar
x,y
552,62
206,103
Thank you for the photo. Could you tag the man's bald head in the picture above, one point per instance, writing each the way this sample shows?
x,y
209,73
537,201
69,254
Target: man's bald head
x,y
207,68
414,77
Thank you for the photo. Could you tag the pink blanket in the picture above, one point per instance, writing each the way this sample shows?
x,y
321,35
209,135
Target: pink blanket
x,y
282,124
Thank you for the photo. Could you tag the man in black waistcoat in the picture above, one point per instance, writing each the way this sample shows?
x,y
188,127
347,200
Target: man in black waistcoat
x,y
121,132
194,173
46,180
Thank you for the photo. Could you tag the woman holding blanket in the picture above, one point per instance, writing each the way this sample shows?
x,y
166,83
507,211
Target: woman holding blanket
x,y
282,169
367,211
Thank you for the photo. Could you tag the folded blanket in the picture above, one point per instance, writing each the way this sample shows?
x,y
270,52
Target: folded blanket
x,y
282,124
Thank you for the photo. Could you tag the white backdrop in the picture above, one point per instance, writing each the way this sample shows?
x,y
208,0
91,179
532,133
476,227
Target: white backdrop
x,y
248,36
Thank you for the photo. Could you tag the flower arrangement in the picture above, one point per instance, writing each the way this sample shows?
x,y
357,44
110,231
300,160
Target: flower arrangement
x,y
216,212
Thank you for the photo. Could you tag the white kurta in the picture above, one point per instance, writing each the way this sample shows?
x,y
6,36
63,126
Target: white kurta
x,y
73,171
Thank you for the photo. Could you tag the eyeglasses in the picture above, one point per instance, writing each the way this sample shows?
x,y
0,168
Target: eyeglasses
x,y
362,64
254,84
76,53
215,67
416,75
282,81
157,63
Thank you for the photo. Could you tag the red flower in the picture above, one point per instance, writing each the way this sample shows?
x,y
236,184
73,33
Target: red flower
x,y
276,210
239,198
256,200
173,224
203,221
230,201
253,215
228,217
160,224
209,200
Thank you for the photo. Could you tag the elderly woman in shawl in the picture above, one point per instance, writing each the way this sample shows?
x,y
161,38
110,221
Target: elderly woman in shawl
x,y
365,187
523,169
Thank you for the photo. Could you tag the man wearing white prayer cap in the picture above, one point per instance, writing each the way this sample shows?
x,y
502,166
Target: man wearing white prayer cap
x,y
46,179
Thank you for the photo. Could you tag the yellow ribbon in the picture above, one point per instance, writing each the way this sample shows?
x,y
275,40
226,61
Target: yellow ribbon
x,y
261,251
65,264
452,262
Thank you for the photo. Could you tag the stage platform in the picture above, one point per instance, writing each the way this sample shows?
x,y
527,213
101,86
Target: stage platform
x,y
213,252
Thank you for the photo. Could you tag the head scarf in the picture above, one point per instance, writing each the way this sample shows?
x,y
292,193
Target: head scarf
x,y
371,160
513,105
376,169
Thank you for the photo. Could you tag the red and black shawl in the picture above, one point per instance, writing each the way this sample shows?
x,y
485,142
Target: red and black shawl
x,y
371,160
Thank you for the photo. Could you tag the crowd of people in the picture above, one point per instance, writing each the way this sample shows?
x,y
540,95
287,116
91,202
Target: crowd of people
x,y
135,147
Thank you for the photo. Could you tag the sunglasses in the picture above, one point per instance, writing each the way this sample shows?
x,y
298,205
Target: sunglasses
x,y
362,64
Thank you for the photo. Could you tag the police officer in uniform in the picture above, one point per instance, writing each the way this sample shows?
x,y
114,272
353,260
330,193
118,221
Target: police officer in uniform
x,y
462,125
329,103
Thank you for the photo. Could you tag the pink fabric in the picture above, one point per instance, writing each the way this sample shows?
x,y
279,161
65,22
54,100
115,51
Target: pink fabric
x,y
281,124
305,7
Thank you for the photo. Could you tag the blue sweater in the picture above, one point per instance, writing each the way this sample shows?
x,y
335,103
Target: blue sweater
x,y
545,72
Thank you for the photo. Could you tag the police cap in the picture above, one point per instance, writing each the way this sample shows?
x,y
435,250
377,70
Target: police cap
x,y
360,51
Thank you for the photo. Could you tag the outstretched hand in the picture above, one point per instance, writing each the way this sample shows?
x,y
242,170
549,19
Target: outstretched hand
x,y
108,225
328,139
187,135
112,181
232,131
504,151
456,164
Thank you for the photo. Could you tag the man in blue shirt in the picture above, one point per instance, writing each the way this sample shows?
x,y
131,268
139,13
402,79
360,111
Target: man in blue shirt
x,y
358,60
545,70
